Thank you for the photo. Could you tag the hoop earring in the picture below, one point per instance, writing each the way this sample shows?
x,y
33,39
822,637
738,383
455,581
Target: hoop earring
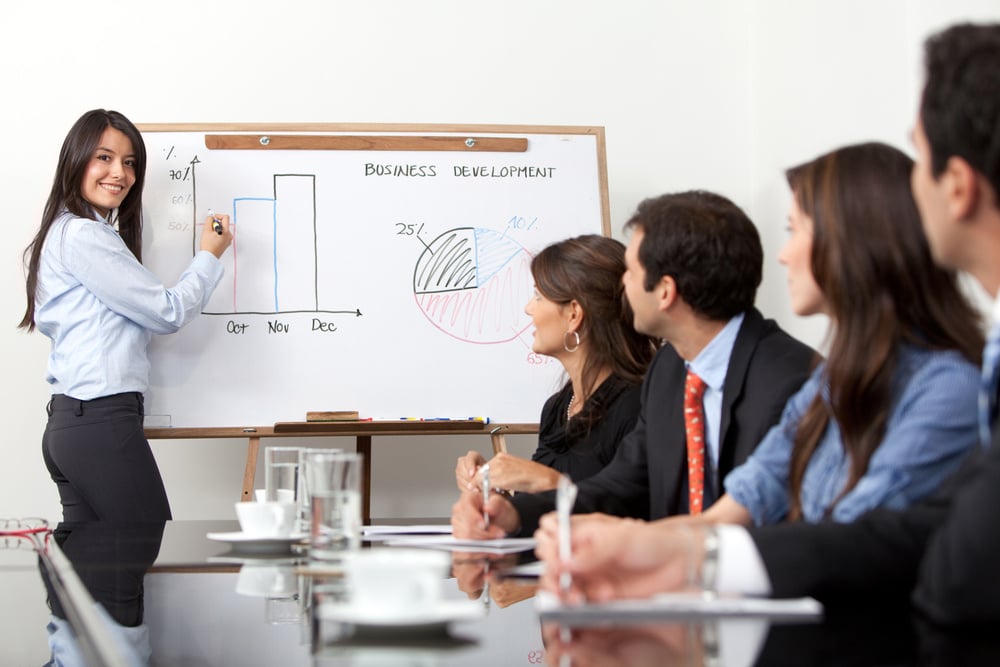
x,y
576,347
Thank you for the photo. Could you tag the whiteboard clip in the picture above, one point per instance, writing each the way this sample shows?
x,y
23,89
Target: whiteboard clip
x,y
470,142
265,140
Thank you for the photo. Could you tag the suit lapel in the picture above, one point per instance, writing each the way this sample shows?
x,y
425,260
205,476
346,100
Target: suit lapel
x,y
665,446
739,361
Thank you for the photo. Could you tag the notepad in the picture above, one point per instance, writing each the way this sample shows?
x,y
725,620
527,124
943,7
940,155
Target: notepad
x,y
418,529
508,545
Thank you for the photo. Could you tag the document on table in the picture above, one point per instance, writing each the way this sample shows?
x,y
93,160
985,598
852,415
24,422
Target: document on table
x,y
676,605
509,545
421,529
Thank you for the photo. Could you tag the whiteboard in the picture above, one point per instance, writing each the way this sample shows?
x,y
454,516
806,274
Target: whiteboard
x,y
391,282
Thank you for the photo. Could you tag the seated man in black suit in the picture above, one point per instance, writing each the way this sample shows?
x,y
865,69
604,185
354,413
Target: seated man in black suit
x,y
943,551
693,265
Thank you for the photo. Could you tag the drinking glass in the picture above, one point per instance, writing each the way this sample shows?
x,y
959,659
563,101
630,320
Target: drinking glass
x,y
281,474
333,485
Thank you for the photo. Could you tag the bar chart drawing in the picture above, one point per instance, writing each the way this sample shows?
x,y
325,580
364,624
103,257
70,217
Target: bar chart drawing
x,y
473,283
272,266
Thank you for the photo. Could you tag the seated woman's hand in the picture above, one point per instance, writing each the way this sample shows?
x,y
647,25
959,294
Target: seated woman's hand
x,y
465,470
512,473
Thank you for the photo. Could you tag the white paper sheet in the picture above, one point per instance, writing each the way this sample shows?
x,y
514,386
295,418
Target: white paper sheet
x,y
423,529
510,545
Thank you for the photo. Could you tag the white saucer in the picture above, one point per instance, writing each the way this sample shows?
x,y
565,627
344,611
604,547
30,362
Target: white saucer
x,y
283,557
442,613
240,541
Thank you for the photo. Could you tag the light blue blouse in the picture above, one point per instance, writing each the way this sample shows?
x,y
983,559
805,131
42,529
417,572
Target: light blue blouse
x,y
99,306
932,426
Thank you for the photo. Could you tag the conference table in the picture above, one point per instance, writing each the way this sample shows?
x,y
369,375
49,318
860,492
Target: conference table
x,y
208,602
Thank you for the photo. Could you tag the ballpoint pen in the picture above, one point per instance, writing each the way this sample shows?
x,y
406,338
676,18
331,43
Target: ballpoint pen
x,y
565,497
485,472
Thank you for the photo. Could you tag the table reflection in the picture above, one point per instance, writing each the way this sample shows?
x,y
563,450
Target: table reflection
x,y
111,561
735,642
204,604
484,576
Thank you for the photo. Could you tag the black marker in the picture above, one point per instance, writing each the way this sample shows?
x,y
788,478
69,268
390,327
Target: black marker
x,y
216,222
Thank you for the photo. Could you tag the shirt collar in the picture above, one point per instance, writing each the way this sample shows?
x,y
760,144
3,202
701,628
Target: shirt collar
x,y
712,363
995,313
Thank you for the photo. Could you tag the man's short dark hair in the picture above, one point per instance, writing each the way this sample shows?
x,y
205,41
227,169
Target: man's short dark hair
x,y
960,105
707,244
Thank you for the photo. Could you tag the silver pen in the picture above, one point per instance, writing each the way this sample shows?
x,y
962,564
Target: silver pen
x,y
485,472
565,497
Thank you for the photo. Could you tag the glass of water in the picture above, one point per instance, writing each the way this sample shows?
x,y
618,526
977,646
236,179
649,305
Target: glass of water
x,y
281,474
333,483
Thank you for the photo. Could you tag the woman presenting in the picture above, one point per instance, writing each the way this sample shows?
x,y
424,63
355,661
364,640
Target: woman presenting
x,y
88,291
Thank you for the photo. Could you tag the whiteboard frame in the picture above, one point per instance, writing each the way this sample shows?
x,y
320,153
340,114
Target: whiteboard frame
x,y
598,132
410,128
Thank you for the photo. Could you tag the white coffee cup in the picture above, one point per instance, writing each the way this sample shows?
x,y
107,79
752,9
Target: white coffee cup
x,y
395,582
267,519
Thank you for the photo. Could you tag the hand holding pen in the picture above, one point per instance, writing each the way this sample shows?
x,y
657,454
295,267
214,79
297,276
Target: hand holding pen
x,y
484,514
216,222
466,468
216,235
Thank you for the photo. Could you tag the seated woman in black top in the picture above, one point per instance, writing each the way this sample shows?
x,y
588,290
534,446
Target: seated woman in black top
x,y
582,319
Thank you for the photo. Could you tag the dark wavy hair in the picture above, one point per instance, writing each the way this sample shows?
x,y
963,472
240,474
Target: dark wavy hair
x,y
873,264
589,269
66,194
960,104
707,244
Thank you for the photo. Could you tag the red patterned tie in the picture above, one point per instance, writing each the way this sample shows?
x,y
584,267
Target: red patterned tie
x,y
694,429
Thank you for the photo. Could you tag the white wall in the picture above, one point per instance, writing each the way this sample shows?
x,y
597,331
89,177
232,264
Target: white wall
x,y
717,94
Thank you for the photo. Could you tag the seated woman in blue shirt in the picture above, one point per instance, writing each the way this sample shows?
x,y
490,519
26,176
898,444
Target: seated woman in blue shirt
x,y
582,319
88,291
892,411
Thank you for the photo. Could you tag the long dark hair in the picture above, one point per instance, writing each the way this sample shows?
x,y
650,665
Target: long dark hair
x,y
66,195
872,261
589,269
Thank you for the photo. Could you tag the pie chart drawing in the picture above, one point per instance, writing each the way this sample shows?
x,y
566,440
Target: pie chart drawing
x,y
473,283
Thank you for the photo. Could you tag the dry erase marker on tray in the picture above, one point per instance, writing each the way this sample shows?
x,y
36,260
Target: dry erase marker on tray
x,y
216,222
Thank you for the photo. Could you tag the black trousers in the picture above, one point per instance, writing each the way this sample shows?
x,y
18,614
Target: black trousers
x,y
101,462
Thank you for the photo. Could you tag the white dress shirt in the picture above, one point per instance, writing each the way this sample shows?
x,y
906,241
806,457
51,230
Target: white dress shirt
x,y
99,306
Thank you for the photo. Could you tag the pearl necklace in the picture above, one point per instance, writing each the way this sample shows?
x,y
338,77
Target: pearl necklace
x,y
569,408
